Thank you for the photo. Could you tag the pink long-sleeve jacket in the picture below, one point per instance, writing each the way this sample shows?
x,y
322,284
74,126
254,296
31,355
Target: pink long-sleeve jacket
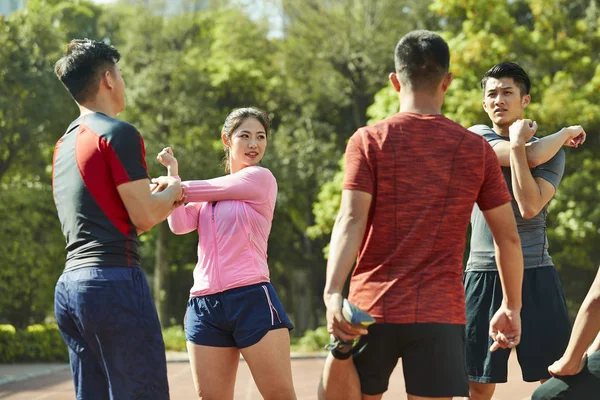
x,y
233,216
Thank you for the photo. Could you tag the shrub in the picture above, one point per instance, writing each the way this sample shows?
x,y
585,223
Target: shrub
x,y
313,340
36,343
174,338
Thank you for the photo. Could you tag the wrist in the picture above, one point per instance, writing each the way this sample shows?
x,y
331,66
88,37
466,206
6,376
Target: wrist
x,y
330,294
172,170
517,143
513,306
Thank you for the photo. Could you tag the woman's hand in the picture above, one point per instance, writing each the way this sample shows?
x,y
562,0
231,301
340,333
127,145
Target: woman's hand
x,y
166,158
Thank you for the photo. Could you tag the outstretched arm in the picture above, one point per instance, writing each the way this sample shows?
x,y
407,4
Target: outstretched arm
x,y
540,151
585,329
249,184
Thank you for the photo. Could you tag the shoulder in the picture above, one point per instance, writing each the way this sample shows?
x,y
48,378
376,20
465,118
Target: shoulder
x,y
111,129
485,132
260,173
482,130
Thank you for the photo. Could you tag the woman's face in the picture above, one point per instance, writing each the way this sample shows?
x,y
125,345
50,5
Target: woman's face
x,y
247,144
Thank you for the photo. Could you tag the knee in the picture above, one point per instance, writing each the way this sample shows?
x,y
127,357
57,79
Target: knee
x,y
544,392
481,391
280,394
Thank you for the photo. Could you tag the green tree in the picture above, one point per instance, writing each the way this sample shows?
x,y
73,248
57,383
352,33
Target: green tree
x,y
34,112
184,74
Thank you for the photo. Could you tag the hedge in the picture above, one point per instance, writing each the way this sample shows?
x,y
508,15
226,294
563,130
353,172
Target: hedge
x,y
35,344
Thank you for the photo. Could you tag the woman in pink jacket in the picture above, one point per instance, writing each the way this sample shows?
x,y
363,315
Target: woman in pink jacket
x,y
233,308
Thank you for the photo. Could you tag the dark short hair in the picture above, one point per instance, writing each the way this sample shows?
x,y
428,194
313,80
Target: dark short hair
x,y
237,118
422,59
81,68
508,70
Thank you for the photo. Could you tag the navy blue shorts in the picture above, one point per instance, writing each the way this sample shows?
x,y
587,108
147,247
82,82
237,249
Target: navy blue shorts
x,y
238,317
108,320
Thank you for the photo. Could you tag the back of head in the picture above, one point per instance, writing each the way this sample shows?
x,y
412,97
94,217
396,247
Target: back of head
x,y
509,70
422,59
81,68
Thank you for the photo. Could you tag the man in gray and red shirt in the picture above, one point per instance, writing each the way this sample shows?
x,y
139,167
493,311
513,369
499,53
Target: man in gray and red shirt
x,y
102,302
410,184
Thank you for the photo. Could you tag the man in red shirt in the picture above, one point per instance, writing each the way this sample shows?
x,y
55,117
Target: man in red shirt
x,y
410,184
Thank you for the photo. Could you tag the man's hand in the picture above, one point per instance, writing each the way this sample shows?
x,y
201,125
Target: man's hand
x,y
505,328
162,182
575,135
521,131
167,159
336,324
565,366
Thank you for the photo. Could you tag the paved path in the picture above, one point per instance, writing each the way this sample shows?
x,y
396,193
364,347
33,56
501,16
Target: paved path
x,y
58,386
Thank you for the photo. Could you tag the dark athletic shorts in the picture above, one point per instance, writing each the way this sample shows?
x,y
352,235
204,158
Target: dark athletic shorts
x,y
584,385
544,321
433,359
108,320
238,317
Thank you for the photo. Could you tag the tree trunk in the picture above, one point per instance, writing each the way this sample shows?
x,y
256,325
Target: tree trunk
x,y
161,269
303,307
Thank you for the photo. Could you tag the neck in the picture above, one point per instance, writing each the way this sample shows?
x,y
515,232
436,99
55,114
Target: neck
x,y
419,103
234,168
95,106
501,130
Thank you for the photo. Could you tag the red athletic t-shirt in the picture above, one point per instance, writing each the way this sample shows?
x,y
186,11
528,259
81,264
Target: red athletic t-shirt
x,y
424,172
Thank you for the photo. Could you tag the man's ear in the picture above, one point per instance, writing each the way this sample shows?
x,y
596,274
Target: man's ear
x,y
447,81
395,81
526,100
107,80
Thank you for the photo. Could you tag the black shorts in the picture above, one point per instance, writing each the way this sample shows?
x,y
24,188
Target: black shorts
x,y
544,321
584,385
433,359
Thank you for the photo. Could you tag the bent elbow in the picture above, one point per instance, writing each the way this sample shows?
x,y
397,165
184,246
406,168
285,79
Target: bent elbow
x,y
528,212
594,301
533,161
143,222
513,240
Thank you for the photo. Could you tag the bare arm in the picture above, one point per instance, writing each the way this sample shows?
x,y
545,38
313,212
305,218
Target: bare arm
x,y
585,329
531,194
145,208
346,238
505,326
509,255
541,151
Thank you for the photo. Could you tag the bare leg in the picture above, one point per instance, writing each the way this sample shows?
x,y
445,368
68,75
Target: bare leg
x,y
271,367
214,370
481,391
340,380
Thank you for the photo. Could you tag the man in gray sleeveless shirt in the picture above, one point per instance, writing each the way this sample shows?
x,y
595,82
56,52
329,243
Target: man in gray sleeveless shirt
x,y
533,169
